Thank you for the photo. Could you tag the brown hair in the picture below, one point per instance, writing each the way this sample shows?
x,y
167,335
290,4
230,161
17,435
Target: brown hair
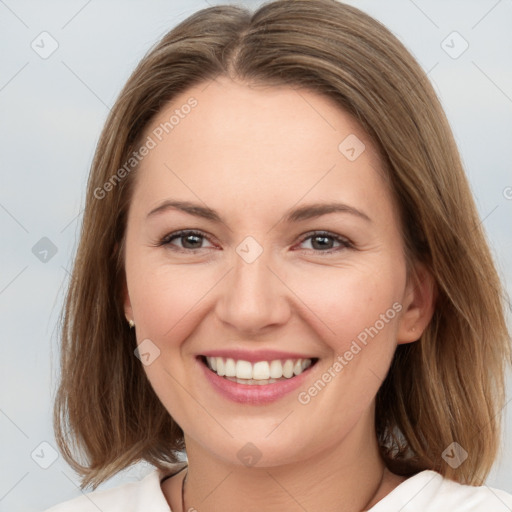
x,y
448,386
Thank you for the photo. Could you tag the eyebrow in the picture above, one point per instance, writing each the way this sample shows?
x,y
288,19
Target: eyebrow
x,y
302,213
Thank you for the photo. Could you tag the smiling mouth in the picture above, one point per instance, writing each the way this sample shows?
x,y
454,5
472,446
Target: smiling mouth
x,y
257,373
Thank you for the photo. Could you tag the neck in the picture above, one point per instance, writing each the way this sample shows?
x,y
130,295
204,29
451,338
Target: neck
x,y
351,475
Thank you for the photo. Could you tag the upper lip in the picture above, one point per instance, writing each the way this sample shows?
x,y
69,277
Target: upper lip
x,y
254,356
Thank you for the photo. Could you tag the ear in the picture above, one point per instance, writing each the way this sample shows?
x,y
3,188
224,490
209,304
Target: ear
x,y
418,304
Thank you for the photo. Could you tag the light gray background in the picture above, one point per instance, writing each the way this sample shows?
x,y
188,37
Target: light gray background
x,y
52,111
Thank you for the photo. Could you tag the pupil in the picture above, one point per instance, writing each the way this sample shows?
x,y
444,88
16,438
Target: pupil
x,y
320,237
188,237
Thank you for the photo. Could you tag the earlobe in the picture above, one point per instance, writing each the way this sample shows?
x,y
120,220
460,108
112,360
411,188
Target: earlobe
x,y
419,305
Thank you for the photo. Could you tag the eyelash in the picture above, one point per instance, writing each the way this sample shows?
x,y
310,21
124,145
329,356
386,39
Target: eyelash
x,y
345,243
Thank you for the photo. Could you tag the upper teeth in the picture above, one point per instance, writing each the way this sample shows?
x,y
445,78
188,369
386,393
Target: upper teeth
x,y
261,370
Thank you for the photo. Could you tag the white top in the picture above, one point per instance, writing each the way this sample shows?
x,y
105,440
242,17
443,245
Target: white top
x,y
427,491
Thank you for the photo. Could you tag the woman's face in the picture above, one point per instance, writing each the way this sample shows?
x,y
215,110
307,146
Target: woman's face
x,y
271,280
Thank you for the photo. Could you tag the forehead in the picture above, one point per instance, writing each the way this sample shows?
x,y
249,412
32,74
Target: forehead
x,y
223,139
226,112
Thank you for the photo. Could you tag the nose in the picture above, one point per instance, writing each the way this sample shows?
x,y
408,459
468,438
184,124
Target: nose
x,y
254,297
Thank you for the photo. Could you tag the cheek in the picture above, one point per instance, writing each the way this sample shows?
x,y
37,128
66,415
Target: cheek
x,y
168,306
166,297
349,304
356,317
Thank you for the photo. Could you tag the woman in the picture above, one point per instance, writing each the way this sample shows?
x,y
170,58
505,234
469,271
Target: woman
x,y
283,275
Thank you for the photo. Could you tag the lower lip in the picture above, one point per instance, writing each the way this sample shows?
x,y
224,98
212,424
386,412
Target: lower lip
x,y
254,394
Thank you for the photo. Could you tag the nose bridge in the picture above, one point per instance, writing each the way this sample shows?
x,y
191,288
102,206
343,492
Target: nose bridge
x,y
253,294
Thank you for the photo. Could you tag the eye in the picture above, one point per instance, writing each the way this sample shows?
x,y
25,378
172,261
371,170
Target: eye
x,y
322,241
190,240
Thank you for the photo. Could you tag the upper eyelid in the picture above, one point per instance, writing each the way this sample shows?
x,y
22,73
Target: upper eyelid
x,y
320,232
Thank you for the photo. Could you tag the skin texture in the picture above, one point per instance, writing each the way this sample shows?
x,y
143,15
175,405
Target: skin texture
x,y
252,153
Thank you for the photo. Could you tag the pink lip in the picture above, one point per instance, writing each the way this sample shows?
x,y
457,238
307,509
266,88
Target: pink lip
x,y
257,394
254,356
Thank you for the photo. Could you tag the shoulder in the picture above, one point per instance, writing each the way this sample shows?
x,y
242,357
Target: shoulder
x,y
429,491
142,495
